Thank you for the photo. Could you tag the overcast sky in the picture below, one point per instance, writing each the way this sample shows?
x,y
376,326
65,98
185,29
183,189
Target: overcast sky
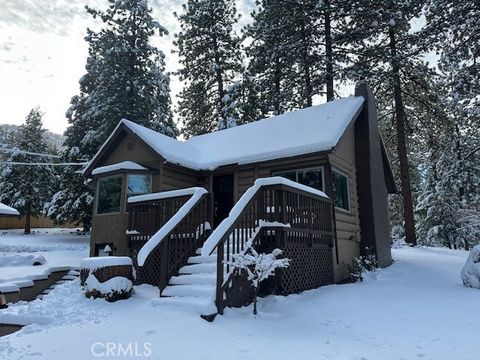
x,y
43,53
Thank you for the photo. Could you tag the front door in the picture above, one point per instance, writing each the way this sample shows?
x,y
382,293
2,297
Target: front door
x,y
222,197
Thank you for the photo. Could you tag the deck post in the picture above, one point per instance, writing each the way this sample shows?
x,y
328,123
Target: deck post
x,y
219,291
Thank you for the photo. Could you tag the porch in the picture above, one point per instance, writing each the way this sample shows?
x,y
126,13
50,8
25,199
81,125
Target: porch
x,y
174,247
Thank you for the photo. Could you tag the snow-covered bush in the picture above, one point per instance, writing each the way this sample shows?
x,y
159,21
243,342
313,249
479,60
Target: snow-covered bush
x,y
258,267
471,271
361,265
113,289
109,277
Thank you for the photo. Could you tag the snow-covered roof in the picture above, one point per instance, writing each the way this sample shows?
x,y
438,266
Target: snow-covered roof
x,y
313,129
7,210
124,165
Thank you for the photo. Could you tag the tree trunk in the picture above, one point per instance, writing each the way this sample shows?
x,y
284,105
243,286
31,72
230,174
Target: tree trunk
x,y
308,93
276,100
255,292
28,228
328,52
400,116
219,78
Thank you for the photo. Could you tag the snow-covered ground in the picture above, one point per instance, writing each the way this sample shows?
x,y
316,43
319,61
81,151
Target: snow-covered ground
x,y
416,309
59,247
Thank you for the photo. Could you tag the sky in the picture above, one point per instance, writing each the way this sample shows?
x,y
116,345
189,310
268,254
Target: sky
x,y
43,53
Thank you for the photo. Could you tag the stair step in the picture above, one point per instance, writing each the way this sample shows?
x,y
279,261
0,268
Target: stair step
x,y
190,290
202,259
194,279
69,277
199,268
204,305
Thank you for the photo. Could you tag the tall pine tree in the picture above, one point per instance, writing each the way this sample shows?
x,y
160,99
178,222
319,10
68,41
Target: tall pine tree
x,y
210,56
28,187
125,78
388,57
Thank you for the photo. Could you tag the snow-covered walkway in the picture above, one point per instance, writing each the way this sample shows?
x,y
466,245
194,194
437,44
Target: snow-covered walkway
x,y
416,309
59,247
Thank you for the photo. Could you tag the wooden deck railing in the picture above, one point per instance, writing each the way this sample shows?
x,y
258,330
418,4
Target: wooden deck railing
x,y
309,217
178,243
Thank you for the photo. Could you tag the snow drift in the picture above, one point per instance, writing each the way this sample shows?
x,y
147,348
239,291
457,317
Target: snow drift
x,y
471,271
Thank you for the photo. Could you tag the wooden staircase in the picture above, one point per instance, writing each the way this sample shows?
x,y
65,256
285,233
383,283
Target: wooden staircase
x,y
195,285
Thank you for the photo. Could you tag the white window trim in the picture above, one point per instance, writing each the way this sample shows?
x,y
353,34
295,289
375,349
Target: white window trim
x,y
98,195
340,172
321,168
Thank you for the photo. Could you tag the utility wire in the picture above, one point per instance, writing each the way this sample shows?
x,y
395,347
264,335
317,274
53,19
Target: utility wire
x,y
44,164
17,151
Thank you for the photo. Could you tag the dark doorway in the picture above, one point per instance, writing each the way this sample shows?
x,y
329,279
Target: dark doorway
x,y
222,197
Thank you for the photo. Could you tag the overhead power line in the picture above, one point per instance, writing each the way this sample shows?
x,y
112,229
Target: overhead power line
x,y
44,164
17,151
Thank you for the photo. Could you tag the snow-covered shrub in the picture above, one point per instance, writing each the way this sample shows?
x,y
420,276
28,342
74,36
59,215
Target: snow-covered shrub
x,y
106,267
109,277
397,233
258,267
113,289
471,271
361,265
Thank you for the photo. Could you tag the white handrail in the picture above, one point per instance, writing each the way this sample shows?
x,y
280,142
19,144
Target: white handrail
x,y
196,192
237,209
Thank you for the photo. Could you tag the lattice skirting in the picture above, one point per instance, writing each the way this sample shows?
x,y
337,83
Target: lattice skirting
x,y
310,267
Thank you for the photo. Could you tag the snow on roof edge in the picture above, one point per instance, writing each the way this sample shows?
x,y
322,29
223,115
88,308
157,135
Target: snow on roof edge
x,y
7,210
179,152
123,165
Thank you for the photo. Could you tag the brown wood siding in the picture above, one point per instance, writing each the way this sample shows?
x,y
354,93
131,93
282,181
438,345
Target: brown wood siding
x,y
175,178
108,228
347,223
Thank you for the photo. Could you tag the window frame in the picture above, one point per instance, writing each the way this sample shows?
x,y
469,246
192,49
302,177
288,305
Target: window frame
x,y
344,174
297,170
97,202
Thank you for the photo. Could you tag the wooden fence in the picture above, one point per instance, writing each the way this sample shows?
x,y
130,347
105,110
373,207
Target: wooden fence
x,y
36,222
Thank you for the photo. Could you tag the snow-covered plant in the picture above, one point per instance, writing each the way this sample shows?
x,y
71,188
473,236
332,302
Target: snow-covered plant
x,y
361,265
471,271
259,267
113,289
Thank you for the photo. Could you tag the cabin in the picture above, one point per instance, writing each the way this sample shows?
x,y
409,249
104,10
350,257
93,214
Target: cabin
x,y
313,182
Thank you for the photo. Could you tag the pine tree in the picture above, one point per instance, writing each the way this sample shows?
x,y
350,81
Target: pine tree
x,y
271,62
125,79
389,58
450,208
27,187
209,53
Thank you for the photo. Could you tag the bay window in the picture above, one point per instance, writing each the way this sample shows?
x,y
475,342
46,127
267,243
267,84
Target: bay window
x,y
109,194
138,184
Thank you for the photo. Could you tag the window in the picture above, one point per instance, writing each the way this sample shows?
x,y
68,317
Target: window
x,y
109,194
138,185
340,191
311,177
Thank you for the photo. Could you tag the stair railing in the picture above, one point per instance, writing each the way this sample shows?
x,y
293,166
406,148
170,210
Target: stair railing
x,y
164,230
270,205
